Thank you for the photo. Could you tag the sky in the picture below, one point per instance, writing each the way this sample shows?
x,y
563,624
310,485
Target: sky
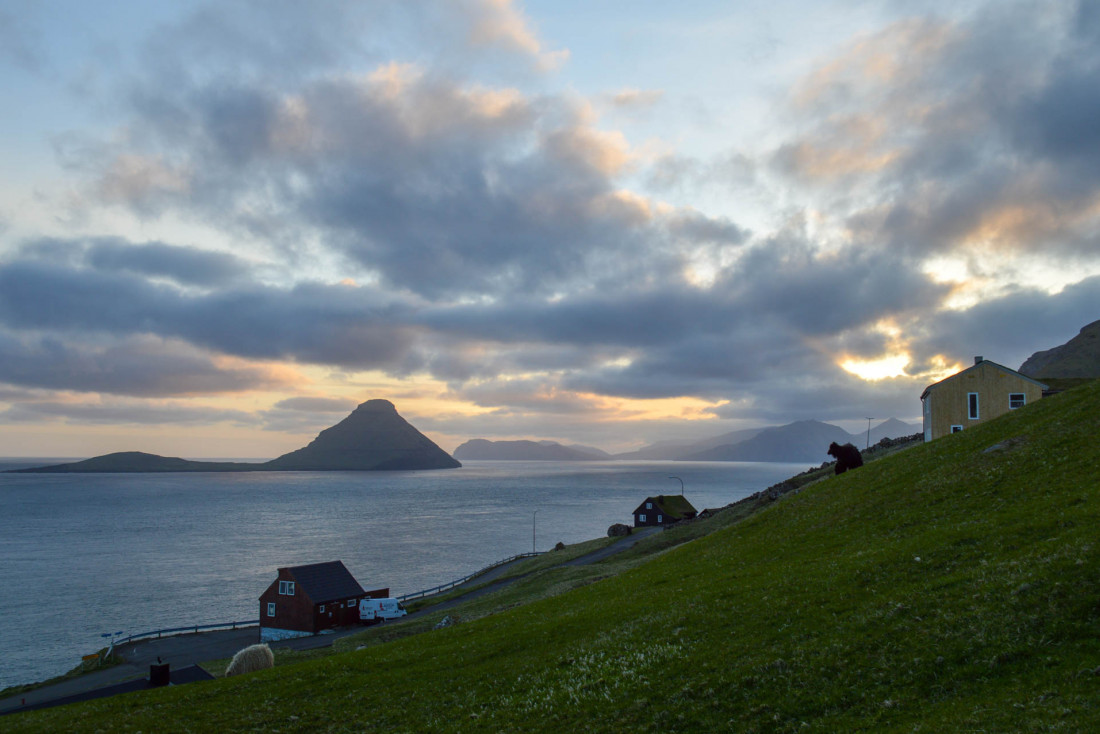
x,y
225,224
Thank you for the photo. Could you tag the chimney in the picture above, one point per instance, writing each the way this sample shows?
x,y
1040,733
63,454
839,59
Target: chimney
x,y
979,360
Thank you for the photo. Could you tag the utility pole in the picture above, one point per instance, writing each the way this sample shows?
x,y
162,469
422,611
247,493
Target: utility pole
x,y
868,433
681,485
533,516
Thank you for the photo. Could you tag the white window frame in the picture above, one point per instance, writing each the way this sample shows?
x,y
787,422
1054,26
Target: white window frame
x,y
353,603
660,518
649,505
973,406
271,609
286,588
1017,400
322,610
641,518
956,428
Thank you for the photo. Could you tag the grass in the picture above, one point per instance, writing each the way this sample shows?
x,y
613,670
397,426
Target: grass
x,y
283,656
519,568
82,669
951,587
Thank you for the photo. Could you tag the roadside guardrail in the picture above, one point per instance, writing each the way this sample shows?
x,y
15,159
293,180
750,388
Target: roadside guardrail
x,y
189,628
464,579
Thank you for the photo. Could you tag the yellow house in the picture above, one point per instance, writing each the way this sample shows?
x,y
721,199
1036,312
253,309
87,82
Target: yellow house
x,y
976,394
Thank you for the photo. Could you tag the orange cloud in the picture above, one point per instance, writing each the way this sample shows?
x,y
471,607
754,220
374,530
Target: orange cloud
x,y
498,22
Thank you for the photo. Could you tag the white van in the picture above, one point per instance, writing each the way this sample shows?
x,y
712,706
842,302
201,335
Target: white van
x,y
379,610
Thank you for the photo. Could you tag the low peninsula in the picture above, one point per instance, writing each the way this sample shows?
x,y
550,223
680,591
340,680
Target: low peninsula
x,y
373,438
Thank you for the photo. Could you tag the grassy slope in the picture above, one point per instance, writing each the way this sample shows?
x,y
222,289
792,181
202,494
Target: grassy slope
x,y
941,589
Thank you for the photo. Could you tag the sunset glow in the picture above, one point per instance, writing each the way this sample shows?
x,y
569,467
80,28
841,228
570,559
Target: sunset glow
x,y
877,369
540,220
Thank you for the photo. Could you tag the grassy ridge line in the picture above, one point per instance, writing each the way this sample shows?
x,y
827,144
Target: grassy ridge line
x,y
944,588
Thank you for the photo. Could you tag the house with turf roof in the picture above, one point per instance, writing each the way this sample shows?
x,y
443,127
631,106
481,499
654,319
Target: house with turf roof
x,y
664,509
307,600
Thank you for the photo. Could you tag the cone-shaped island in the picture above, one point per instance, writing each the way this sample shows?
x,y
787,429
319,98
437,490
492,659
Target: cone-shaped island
x,y
373,438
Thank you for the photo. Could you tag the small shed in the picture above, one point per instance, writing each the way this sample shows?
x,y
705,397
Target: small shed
x,y
983,391
306,600
664,509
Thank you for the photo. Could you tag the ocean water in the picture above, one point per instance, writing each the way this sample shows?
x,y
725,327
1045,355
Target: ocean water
x,y
86,554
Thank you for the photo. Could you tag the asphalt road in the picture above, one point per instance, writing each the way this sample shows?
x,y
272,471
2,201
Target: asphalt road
x,y
180,651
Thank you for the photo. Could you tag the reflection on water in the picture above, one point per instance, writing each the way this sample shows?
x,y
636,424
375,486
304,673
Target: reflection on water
x,y
85,554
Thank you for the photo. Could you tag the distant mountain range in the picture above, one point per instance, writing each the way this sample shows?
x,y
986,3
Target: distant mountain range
x,y
802,441
373,438
481,449
1079,358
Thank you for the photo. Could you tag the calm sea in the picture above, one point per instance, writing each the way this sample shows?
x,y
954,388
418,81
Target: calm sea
x,y
86,554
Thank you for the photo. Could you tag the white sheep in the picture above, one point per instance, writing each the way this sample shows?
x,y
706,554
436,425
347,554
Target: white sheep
x,y
251,659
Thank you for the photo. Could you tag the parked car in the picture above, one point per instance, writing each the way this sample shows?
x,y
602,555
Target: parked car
x,y
379,610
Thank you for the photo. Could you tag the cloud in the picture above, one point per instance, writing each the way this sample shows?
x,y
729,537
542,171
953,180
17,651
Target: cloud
x,y
20,43
317,404
305,414
500,23
634,98
439,187
136,366
967,136
185,265
309,323
1009,329
123,411
500,237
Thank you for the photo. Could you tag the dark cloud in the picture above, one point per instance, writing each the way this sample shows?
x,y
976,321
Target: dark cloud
x,y
1009,329
829,396
185,265
337,325
122,411
138,366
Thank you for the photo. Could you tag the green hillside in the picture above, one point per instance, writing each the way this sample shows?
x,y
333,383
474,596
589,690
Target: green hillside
x,y
951,587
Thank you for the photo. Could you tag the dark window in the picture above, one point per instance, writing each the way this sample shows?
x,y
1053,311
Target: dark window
x,y
972,399
1016,400
956,429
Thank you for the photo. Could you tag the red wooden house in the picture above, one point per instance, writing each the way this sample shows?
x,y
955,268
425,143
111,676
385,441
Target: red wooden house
x,y
306,600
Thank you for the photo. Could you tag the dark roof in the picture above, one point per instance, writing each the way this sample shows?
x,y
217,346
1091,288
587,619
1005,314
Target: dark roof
x,y
1001,367
674,506
323,582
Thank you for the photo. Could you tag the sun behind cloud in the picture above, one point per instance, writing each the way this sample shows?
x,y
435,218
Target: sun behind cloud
x,y
877,369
